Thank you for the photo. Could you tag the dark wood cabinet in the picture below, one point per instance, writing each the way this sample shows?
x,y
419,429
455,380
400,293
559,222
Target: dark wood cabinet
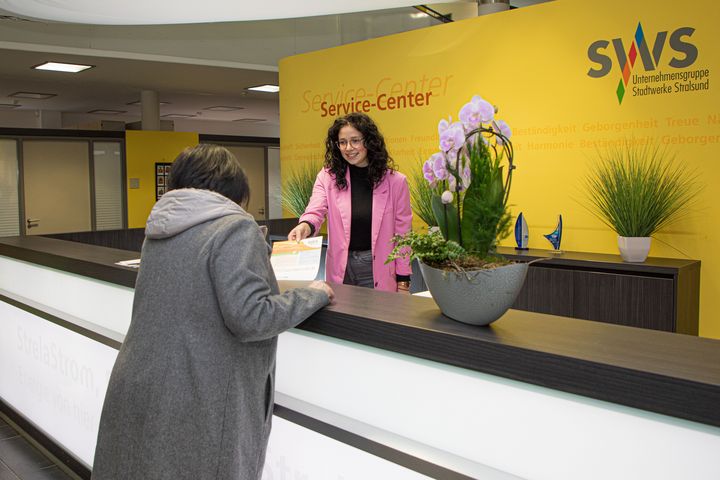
x,y
547,290
660,294
631,300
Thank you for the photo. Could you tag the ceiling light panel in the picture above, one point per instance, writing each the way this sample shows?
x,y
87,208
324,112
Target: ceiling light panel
x,y
249,120
223,108
265,88
101,111
62,67
139,103
33,95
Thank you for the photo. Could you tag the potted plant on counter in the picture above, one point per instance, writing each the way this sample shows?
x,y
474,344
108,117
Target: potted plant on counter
x,y
469,183
636,191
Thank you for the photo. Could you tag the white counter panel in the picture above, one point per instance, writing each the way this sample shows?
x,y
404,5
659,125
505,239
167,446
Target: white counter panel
x,y
528,431
476,424
54,377
101,303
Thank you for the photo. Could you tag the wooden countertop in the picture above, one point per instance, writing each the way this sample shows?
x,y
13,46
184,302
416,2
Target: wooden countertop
x,y
600,261
672,374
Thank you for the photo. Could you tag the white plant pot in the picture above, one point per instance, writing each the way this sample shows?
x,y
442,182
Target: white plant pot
x,y
634,249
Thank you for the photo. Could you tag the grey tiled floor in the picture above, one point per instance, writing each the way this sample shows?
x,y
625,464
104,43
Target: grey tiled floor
x,y
19,460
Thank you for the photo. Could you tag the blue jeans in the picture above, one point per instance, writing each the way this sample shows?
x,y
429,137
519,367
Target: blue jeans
x,y
359,270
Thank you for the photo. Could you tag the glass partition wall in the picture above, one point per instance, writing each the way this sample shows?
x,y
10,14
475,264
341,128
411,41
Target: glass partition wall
x,y
109,193
54,185
46,179
9,186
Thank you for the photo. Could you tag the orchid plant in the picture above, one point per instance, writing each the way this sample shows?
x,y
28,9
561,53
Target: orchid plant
x,y
470,190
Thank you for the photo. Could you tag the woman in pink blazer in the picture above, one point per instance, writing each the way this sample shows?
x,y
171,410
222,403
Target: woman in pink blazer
x,y
365,202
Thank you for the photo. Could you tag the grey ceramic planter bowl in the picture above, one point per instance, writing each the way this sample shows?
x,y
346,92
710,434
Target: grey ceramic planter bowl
x,y
478,297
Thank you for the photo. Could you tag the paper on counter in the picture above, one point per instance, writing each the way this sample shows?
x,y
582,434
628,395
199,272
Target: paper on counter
x,y
297,260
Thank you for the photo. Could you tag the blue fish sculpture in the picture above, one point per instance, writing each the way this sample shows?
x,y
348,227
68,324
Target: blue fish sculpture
x,y
521,233
555,237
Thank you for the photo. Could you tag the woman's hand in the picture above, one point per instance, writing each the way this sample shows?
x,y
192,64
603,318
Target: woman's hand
x,y
320,285
299,232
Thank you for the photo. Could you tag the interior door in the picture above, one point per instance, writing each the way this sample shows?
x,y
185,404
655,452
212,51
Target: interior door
x,y
56,180
252,160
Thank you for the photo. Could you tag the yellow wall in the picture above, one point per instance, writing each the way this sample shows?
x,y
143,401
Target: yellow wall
x,y
143,150
533,64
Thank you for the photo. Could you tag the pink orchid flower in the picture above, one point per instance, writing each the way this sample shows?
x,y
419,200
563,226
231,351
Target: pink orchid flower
x,y
439,166
476,112
466,176
501,127
452,138
452,183
443,125
428,172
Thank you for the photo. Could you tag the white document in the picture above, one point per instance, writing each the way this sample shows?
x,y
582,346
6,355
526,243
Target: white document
x,y
297,260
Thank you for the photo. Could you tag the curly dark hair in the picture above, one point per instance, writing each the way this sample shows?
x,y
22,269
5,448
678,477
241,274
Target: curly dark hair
x,y
379,160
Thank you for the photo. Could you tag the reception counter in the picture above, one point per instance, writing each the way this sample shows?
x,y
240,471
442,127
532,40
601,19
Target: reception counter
x,y
380,385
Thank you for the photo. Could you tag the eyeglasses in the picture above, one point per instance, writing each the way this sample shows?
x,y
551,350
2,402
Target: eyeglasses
x,y
353,142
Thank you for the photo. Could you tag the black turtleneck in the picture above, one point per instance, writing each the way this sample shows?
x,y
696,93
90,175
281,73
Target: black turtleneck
x,y
361,200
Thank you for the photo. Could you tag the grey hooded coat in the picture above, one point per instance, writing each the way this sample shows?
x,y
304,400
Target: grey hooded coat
x,y
191,393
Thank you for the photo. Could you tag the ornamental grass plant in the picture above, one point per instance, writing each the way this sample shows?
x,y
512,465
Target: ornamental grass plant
x,y
298,188
638,190
421,195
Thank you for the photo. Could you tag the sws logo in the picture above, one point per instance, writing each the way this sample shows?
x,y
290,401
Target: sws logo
x,y
688,53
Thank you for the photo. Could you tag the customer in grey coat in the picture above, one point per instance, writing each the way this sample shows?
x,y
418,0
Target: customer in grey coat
x,y
191,393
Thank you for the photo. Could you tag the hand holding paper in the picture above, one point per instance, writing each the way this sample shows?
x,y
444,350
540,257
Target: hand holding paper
x,y
293,260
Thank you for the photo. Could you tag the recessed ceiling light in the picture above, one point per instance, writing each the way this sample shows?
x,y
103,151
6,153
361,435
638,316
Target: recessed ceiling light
x,y
223,108
250,120
33,95
139,102
101,111
177,115
62,67
265,88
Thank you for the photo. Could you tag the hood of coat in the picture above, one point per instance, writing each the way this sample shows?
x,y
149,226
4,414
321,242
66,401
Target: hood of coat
x,y
181,209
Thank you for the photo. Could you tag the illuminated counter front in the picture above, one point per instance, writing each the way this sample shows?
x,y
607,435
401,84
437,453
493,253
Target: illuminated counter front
x,y
380,385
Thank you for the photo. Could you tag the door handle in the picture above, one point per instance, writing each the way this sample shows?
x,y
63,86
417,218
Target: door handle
x,y
33,222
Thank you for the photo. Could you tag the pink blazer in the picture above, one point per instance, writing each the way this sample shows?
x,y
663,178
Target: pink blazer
x,y
391,214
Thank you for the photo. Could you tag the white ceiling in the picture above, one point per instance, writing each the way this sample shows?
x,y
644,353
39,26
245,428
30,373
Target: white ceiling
x,y
191,67
157,12
115,82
